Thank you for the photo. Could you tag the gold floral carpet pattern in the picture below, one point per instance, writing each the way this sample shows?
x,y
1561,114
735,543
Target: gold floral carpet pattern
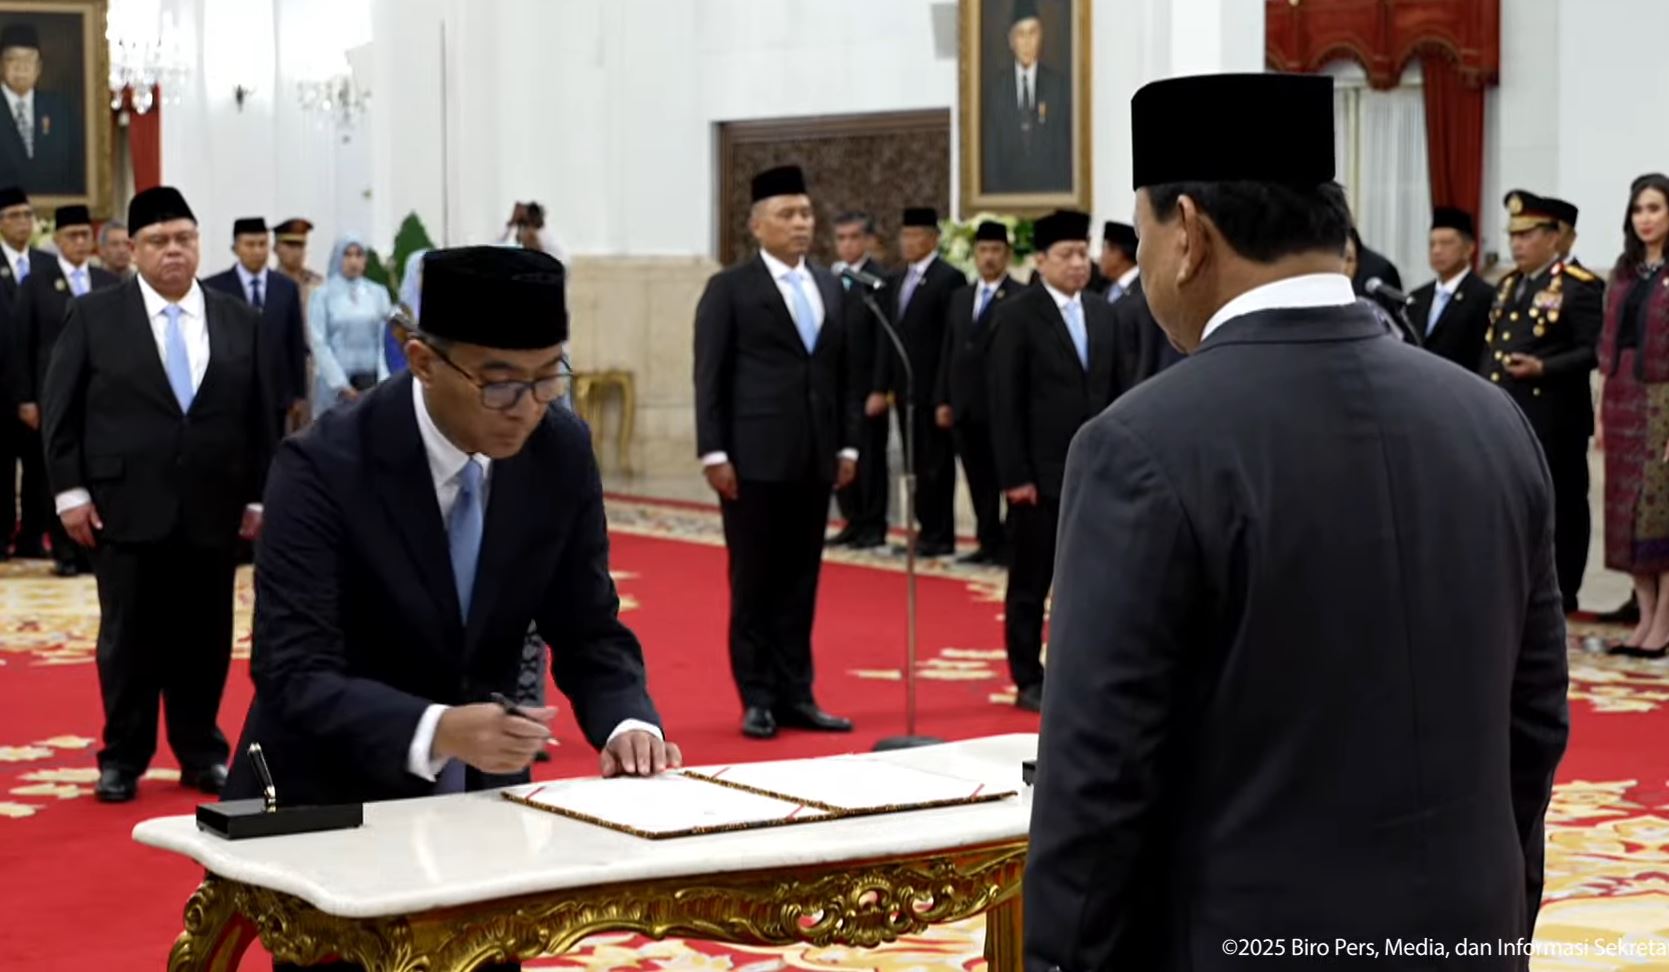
x,y
1607,888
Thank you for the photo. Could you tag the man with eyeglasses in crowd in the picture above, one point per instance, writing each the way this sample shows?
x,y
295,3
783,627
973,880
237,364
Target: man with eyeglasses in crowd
x,y
410,541
157,438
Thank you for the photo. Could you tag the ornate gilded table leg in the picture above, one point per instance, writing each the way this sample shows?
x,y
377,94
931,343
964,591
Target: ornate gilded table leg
x,y
628,420
1005,935
216,934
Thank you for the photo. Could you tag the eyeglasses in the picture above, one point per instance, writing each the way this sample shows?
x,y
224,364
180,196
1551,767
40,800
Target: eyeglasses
x,y
501,396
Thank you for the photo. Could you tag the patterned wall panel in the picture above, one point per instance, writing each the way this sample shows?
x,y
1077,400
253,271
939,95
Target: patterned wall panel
x,y
878,163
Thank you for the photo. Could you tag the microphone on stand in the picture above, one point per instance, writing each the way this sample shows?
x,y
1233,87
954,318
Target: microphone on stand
x,y
866,280
1376,287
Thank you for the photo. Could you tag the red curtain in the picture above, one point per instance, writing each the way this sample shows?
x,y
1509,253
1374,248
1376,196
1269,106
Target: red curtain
x,y
1454,135
144,139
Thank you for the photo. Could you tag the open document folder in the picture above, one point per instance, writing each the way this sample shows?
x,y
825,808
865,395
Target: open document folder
x,y
747,796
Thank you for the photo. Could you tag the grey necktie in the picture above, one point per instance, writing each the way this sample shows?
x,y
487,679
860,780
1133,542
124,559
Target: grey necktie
x,y
25,129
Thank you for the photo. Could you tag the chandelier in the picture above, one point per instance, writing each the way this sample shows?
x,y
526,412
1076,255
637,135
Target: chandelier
x,y
339,96
146,51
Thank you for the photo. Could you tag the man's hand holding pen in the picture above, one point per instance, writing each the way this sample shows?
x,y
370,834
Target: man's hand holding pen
x,y
492,738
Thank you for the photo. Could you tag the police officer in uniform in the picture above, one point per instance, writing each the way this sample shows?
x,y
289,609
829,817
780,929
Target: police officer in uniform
x,y
1540,347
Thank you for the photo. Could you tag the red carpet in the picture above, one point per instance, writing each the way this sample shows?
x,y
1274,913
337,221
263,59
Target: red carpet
x,y
79,895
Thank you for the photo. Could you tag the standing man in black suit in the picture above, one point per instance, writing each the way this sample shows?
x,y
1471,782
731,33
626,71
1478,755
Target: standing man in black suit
x,y
963,392
776,424
1027,115
1453,310
919,297
1054,365
864,503
1542,347
157,441
1117,262
278,299
1307,633
41,136
42,302
18,441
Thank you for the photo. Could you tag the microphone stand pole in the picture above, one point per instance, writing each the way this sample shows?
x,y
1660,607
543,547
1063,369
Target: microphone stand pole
x,y
909,740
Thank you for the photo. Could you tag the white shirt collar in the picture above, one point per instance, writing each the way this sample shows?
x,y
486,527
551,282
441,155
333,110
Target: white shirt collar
x,y
1453,283
191,303
12,256
244,276
1128,277
778,269
920,266
445,459
1061,300
69,268
1308,290
993,284
1028,73
13,99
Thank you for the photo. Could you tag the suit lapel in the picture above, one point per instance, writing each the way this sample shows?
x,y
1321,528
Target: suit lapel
x,y
829,288
405,481
1057,323
220,346
137,332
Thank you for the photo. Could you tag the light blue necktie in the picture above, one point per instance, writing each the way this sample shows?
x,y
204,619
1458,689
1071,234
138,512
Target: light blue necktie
x,y
1438,303
176,361
78,282
1115,291
984,299
23,268
910,280
463,536
463,533
1074,313
804,318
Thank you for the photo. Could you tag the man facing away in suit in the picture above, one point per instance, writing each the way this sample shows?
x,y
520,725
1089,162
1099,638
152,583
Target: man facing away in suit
x,y
776,426
278,300
157,444
1307,668
19,443
864,503
1453,310
918,298
38,320
1118,260
1054,365
41,137
963,392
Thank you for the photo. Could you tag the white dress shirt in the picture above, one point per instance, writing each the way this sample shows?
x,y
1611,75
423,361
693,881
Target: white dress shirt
x,y
13,100
245,277
12,258
779,272
68,269
1452,284
1128,278
195,328
446,462
1309,290
1025,78
1061,300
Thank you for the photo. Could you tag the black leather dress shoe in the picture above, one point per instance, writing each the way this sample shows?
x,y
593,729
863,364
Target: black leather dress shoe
x,y
934,550
807,715
66,569
1030,698
758,723
115,786
844,537
210,781
868,540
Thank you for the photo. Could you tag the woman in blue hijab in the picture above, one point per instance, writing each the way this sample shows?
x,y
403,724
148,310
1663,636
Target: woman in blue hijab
x,y
345,323
411,298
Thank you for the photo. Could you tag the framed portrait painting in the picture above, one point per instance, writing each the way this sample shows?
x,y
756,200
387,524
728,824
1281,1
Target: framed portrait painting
x,y
54,79
1025,105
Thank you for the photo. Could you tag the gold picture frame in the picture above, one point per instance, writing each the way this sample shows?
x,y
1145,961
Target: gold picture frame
x,y
1015,155
72,159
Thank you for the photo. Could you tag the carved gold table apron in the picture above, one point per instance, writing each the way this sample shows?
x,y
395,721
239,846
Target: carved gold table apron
x,y
860,904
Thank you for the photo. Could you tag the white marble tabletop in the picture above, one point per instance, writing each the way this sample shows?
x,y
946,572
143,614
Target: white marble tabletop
x,y
415,855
